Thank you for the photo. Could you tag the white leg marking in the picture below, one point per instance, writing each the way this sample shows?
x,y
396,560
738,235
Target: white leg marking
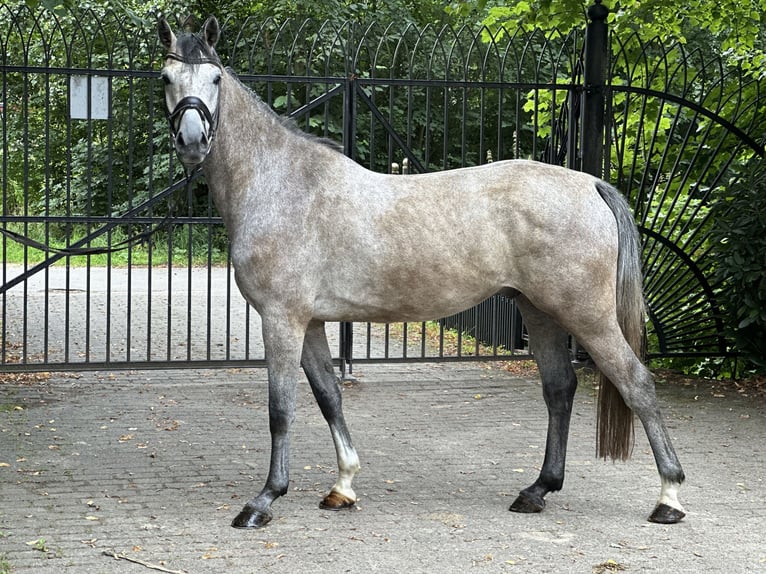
x,y
348,467
669,495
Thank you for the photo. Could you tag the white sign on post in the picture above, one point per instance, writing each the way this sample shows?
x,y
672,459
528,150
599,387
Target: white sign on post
x,y
85,91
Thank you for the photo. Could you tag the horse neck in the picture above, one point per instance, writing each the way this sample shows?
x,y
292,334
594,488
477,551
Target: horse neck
x,y
248,136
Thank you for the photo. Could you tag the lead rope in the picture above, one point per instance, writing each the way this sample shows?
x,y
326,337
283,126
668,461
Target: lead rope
x,y
142,238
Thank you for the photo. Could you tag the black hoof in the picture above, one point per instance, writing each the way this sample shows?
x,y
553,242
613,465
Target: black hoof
x,y
251,518
528,504
664,514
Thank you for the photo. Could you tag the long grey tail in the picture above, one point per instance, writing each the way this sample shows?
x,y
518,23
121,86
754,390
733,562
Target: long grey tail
x,y
615,420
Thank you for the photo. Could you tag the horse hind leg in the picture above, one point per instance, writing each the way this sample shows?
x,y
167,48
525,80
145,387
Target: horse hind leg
x,y
559,385
635,383
317,364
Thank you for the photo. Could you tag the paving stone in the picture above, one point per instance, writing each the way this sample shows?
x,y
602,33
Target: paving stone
x,y
154,465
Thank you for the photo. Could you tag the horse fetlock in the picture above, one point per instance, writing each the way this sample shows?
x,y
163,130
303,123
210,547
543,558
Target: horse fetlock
x,y
668,509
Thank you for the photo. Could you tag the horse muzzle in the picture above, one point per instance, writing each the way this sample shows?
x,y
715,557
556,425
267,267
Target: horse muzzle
x,y
192,133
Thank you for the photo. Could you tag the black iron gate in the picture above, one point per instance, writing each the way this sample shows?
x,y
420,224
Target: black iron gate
x,y
85,158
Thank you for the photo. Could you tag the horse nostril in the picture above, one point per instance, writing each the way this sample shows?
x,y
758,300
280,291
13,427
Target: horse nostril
x,y
203,140
180,139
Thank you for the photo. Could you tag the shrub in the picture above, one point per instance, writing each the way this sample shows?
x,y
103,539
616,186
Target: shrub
x,y
740,250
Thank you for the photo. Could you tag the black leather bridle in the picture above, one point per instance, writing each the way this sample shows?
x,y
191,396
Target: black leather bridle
x,y
193,102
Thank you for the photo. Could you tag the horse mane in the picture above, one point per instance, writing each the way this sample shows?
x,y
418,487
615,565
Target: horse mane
x,y
289,123
293,127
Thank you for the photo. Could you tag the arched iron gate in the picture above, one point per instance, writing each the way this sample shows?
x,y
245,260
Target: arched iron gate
x,y
435,98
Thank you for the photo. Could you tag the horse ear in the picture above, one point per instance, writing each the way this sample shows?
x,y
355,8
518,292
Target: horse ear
x,y
211,31
166,34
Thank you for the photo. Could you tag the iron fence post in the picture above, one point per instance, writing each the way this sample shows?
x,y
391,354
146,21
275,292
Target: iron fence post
x,y
593,96
593,109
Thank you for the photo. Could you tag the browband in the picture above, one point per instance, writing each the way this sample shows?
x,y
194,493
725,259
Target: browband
x,y
192,61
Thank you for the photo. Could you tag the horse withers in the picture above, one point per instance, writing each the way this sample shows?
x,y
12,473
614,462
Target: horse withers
x,y
562,242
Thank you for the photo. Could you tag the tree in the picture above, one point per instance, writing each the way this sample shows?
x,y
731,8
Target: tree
x,y
734,30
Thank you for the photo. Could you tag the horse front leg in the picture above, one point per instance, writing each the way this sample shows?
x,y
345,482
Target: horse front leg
x,y
317,364
282,343
559,386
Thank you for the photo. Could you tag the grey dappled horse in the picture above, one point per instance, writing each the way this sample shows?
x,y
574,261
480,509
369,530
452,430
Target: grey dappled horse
x,y
562,242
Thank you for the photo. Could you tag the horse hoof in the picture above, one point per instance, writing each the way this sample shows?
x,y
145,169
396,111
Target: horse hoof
x,y
336,501
527,504
664,514
251,518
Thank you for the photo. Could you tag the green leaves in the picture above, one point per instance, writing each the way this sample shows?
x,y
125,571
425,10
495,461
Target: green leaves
x,y
740,235
734,30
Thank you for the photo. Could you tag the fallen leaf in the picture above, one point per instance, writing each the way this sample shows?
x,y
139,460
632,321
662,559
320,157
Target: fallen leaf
x,y
38,544
4,465
608,566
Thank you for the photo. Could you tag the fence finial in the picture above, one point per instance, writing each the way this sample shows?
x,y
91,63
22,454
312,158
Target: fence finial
x,y
598,12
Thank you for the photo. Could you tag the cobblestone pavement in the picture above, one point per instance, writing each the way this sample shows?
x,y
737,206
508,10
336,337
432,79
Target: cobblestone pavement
x,y
154,465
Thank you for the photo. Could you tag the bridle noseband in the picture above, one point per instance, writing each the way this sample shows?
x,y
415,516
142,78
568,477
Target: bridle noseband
x,y
193,102
196,104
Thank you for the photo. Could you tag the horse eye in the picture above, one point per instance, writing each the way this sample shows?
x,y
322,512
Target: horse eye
x,y
217,80
165,78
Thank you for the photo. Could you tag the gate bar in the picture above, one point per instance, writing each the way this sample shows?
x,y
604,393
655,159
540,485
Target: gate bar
x,y
151,202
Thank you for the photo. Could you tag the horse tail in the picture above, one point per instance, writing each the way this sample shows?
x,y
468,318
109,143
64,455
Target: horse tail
x,y
615,419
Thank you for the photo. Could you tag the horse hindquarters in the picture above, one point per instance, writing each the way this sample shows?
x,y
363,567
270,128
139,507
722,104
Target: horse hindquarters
x,y
616,345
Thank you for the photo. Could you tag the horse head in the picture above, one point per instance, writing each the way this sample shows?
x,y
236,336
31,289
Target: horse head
x,y
192,75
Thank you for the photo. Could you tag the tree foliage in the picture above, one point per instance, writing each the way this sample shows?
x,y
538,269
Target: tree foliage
x,y
735,30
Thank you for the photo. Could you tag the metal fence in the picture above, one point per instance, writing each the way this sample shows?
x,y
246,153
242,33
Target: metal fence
x,y
86,161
